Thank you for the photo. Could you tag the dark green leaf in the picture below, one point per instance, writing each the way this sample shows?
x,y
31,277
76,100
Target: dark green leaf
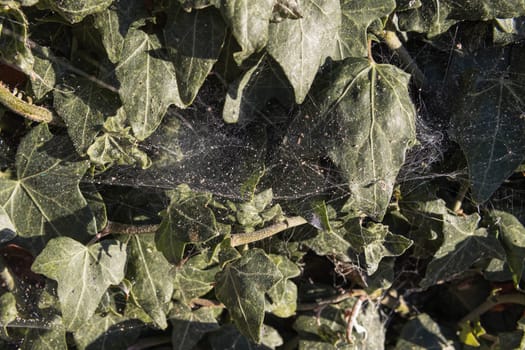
x,y
300,46
424,333
228,337
463,245
151,277
148,83
8,311
249,23
190,326
83,109
45,72
488,123
83,274
512,235
241,287
194,279
356,18
75,10
45,197
109,332
14,36
50,337
195,40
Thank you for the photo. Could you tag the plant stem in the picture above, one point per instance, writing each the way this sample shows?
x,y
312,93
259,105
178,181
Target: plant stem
x,y
459,198
332,300
514,298
392,41
250,237
7,280
25,109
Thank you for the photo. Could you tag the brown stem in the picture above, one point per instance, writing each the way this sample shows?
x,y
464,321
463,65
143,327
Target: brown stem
x,y
456,207
392,41
514,298
206,302
250,237
332,300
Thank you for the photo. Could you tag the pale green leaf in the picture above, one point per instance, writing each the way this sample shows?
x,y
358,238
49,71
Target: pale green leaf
x,y
356,18
148,83
249,22
301,46
75,10
190,326
512,235
463,245
83,109
194,279
83,274
108,332
194,40
7,228
8,311
150,275
45,197
241,287
283,294
50,337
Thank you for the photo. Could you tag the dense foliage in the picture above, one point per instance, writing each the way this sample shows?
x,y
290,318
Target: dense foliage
x,y
312,174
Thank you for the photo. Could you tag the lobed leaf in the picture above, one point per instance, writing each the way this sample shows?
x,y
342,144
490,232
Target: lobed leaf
x,y
75,11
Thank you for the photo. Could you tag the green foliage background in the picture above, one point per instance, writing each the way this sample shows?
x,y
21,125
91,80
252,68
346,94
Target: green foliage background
x,y
262,174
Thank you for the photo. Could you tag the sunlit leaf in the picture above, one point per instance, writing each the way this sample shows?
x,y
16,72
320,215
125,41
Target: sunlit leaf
x,y
148,83
7,228
283,294
190,326
150,275
241,286
8,311
463,245
194,279
52,336
194,41
45,197
300,46
109,332
83,274
75,10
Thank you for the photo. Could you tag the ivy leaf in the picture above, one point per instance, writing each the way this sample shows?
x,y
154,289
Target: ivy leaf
x,y
83,109
7,228
150,272
228,337
283,294
52,338
366,121
249,22
45,197
489,124
194,279
45,72
463,245
8,311
75,10
195,40
241,286
83,274
14,37
512,233
148,83
356,18
300,46
188,219
108,332
121,15
190,326
423,333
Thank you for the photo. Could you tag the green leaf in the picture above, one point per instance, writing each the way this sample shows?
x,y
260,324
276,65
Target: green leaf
x,y
109,332
116,145
249,22
52,337
150,274
148,83
190,326
83,109
423,333
121,15
365,120
45,72
14,37
228,337
195,40
301,46
8,309
7,228
83,274
45,197
488,122
463,245
283,294
512,235
188,219
194,279
356,18
241,287
75,10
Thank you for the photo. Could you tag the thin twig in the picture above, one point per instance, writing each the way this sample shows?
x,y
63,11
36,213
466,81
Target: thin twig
x,y
206,302
456,207
332,300
250,237
514,298
26,109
